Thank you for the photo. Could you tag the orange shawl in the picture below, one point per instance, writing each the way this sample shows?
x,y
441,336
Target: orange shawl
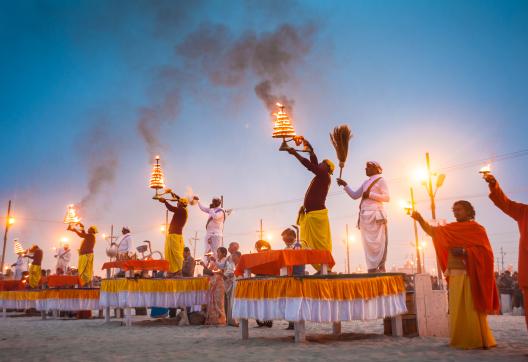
x,y
479,262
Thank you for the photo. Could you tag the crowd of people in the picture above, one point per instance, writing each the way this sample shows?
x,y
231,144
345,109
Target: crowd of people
x,y
462,247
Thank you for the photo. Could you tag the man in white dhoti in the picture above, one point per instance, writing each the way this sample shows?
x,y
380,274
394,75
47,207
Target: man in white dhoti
x,y
63,259
214,236
372,220
125,247
20,265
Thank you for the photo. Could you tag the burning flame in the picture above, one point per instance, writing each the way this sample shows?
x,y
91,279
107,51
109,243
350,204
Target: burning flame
x,y
485,169
18,248
282,126
157,181
71,215
406,205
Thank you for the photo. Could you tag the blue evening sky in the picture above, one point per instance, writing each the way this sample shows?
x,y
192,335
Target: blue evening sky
x,y
448,77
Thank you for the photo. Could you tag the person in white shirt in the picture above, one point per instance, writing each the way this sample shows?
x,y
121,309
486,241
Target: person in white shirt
x,y
63,259
214,236
230,282
372,220
20,265
125,247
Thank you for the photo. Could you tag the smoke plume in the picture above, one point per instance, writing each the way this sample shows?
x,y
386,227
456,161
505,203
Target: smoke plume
x,y
99,151
227,60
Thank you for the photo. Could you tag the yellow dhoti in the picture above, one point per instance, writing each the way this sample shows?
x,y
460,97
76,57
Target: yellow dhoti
x,y
34,275
86,268
315,231
174,252
468,329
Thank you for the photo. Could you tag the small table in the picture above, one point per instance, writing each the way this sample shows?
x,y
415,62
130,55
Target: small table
x,y
70,299
63,281
276,262
320,298
131,265
130,293
18,299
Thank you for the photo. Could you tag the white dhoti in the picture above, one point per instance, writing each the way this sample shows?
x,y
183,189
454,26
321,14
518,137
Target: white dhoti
x,y
18,274
212,243
373,227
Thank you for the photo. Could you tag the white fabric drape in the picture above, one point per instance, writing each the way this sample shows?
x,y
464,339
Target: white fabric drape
x,y
126,299
317,310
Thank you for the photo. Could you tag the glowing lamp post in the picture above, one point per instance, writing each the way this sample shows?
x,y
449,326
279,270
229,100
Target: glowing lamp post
x,y
408,207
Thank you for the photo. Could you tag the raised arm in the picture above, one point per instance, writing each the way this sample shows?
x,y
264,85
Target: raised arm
x,y
311,164
169,206
424,224
203,208
511,208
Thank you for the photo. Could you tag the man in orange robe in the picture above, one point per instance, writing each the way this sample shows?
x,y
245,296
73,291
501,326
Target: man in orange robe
x,y
518,212
466,257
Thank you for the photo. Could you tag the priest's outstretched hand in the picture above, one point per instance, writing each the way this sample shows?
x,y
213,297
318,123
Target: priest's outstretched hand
x,y
341,182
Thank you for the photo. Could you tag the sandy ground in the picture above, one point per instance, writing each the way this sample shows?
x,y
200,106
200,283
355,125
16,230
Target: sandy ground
x,y
32,339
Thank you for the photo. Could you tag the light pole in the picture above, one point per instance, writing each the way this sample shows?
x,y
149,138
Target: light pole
x,y
9,221
347,250
431,191
409,207
423,245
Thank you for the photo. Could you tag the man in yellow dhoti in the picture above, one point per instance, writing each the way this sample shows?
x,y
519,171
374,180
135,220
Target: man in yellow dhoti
x,y
36,254
174,240
466,257
86,256
313,215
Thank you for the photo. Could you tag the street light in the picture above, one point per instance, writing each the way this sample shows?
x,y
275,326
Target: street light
x,y
10,220
409,207
423,244
431,191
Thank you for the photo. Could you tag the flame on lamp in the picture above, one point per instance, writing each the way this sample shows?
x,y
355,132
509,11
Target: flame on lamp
x,y
485,169
282,127
18,247
407,206
157,181
71,215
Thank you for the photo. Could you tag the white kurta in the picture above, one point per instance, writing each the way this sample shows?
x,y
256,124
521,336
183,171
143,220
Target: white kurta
x,y
214,235
20,267
373,220
126,245
63,259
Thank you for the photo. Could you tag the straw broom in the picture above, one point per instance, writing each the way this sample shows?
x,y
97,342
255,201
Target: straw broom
x,y
340,139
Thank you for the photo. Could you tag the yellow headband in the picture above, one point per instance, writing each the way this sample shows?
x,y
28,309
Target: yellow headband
x,y
184,201
331,166
94,228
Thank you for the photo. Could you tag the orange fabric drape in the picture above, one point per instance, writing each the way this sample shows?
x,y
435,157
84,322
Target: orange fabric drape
x,y
161,265
320,289
270,262
473,238
7,285
57,281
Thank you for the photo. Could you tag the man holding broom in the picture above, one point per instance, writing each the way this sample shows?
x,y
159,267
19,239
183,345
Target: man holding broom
x,y
372,220
313,215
